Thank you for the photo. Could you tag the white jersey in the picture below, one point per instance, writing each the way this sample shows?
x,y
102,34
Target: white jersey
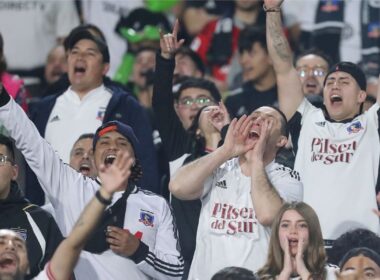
x,y
71,117
338,164
228,231
147,215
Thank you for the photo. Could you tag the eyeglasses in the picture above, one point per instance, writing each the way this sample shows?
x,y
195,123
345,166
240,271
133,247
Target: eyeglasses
x,y
4,159
199,101
316,71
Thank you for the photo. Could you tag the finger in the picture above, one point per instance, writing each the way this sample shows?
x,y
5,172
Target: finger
x,y
180,43
176,28
246,126
240,122
161,35
113,242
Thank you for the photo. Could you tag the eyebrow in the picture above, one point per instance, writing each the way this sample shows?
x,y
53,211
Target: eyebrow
x,y
340,78
298,221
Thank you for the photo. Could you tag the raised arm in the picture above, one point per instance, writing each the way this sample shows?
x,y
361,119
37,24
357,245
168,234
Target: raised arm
x,y
289,86
67,254
265,197
174,137
187,183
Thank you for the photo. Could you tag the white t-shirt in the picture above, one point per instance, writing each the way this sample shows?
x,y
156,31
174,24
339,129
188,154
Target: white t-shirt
x,y
71,117
338,164
105,14
228,231
331,271
30,29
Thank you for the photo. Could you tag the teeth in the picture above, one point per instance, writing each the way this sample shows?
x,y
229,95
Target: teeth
x,y
84,167
336,98
109,159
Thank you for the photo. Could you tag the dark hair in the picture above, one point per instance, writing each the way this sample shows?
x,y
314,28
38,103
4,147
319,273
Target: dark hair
x,y
185,51
366,252
86,26
284,122
85,136
316,52
353,239
234,273
145,48
3,65
250,35
199,83
8,143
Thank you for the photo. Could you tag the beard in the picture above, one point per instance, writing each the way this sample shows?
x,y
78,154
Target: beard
x,y
12,276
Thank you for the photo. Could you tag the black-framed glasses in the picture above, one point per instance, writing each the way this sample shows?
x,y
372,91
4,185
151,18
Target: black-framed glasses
x,y
4,159
315,71
199,101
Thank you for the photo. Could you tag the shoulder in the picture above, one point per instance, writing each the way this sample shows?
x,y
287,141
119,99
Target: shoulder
x,y
37,212
281,171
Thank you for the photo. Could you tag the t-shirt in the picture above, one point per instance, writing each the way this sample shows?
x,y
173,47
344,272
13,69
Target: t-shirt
x,y
338,163
228,231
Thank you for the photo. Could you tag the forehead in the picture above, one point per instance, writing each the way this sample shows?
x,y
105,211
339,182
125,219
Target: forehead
x,y
10,235
311,60
146,54
268,111
340,75
86,44
194,93
291,214
3,150
83,143
360,261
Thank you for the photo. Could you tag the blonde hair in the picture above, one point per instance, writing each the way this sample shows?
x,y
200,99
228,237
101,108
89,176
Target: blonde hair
x,y
314,256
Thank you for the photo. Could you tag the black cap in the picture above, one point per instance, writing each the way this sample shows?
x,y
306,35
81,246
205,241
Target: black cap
x,y
351,68
85,34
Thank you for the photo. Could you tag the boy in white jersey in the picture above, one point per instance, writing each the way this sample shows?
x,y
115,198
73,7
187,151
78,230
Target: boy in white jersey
x,y
241,188
337,147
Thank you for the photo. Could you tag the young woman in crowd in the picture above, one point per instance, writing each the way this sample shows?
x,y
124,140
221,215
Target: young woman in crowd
x,y
296,248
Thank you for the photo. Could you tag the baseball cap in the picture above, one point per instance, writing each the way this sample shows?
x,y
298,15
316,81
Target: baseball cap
x,y
355,71
127,132
75,37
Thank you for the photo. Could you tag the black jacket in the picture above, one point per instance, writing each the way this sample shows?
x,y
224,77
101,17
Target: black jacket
x,y
34,224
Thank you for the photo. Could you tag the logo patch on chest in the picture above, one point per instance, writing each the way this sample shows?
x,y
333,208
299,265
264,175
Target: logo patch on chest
x,y
354,127
147,218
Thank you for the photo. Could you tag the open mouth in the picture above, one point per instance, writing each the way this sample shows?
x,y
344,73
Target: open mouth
x,y
8,262
109,159
79,70
84,168
293,242
335,99
253,135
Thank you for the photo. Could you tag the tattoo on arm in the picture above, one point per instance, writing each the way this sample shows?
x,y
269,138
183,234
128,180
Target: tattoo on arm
x,y
279,42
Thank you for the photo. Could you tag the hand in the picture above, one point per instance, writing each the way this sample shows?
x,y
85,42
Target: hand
x,y
288,262
235,143
115,176
168,42
272,3
219,117
300,264
121,241
257,154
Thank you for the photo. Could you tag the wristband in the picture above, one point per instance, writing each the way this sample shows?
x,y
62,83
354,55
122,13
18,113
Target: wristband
x,y
101,199
271,10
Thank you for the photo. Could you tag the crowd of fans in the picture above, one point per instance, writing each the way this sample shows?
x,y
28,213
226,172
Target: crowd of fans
x,y
182,139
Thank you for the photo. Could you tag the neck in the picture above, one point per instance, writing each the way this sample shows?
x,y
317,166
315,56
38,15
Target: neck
x,y
265,83
82,92
245,164
212,141
4,194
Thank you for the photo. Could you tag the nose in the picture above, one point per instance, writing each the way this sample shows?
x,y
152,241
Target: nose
x,y
10,245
